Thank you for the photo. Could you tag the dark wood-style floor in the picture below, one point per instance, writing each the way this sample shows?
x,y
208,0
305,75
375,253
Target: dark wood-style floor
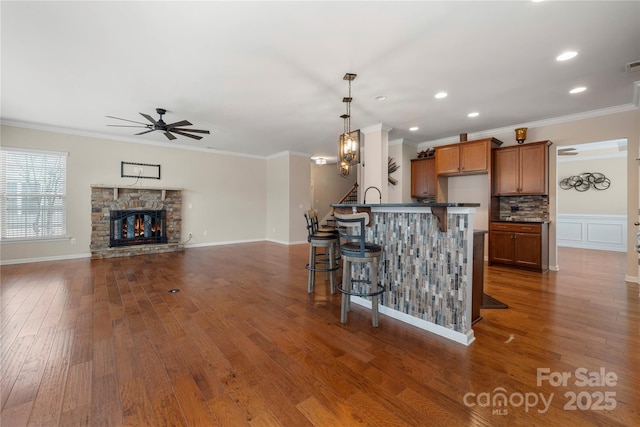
x,y
103,343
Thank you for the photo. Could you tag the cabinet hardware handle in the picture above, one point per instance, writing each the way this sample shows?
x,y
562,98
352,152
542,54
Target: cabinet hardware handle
x,y
636,223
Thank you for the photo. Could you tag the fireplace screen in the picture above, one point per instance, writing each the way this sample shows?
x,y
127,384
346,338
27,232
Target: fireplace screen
x,y
131,227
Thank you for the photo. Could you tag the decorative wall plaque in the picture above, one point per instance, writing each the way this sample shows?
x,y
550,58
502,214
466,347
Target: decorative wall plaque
x,y
139,170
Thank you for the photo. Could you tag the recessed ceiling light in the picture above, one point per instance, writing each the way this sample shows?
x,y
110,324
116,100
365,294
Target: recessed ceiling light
x,y
474,114
537,1
380,98
578,89
564,56
414,128
441,95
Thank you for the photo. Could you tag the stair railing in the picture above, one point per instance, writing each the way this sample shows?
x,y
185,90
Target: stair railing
x,y
350,198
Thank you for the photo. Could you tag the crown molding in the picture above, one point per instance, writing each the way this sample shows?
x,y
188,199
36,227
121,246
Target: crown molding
x,y
402,141
376,128
538,123
98,135
287,154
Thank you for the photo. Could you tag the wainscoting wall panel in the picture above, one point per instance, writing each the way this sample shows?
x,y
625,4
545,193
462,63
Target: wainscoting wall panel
x,y
603,232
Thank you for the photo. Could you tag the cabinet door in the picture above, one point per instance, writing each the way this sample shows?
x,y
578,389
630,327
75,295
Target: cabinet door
x,y
527,249
501,247
505,171
448,160
474,157
423,179
533,169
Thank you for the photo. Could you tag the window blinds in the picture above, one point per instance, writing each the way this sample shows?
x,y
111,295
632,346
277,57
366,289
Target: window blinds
x,y
33,194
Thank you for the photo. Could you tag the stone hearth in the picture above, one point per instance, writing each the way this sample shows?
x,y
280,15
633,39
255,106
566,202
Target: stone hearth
x,y
105,198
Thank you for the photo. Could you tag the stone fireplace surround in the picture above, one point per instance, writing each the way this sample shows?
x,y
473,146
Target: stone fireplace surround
x,y
105,198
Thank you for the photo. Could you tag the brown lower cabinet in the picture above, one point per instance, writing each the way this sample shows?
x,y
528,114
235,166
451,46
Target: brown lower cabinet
x,y
524,245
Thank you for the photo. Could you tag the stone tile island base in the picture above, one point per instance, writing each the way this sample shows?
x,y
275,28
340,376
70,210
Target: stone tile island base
x,y
427,272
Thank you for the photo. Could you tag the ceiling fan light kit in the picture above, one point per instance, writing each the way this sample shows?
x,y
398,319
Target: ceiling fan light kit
x,y
160,125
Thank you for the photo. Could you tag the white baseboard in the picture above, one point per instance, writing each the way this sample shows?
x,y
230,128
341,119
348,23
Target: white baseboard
x,y
230,242
458,337
44,259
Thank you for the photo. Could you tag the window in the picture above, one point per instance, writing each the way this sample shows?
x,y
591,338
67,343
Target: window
x,y
33,194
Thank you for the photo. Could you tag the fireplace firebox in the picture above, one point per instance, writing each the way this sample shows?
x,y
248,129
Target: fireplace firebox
x,y
137,227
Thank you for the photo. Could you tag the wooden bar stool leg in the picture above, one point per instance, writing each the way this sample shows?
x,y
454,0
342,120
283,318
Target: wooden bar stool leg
x,y
332,264
374,288
346,285
312,264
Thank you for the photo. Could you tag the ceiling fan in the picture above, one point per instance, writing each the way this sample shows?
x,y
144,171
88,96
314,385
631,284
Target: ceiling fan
x,y
569,151
168,129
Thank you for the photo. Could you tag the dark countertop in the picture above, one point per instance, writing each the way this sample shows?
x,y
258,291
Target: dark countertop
x,y
523,220
408,205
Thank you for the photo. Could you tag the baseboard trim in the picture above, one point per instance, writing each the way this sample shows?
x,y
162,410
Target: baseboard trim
x,y
44,259
458,337
231,242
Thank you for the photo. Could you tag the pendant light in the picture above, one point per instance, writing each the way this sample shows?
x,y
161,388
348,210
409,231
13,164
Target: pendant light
x,y
349,147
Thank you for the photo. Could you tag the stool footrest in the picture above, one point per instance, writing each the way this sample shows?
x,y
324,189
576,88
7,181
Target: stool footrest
x,y
380,290
322,269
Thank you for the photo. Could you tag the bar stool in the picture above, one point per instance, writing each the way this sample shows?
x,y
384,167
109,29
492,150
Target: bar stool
x,y
355,249
327,260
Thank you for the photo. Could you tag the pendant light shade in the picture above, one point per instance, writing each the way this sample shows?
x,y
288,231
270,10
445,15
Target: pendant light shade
x,y
349,144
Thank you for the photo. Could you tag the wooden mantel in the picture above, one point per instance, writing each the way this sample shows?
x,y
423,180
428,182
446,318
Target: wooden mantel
x,y
116,188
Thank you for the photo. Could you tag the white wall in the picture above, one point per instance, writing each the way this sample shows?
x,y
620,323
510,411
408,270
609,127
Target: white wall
x,y
228,193
612,201
395,192
328,187
277,219
299,197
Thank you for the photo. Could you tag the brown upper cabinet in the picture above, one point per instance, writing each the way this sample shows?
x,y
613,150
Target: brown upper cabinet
x,y
521,169
465,158
423,177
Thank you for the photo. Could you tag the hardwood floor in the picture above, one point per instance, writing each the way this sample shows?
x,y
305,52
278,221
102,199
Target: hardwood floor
x,y
104,343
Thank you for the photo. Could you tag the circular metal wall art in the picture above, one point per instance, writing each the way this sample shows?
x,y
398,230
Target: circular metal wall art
x,y
585,181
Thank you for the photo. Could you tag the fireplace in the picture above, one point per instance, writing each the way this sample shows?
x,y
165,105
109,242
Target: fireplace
x,y
129,221
137,227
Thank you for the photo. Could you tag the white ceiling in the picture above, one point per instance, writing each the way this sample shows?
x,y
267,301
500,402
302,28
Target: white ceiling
x,y
266,77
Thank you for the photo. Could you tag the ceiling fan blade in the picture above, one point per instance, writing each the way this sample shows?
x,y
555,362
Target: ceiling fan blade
x,y
178,124
148,117
129,126
192,130
168,135
126,120
184,134
146,131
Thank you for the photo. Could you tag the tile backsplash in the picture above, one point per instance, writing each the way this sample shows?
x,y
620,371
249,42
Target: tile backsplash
x,y
524,208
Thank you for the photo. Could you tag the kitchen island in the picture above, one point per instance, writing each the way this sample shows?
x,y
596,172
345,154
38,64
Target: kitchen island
x,y
426,264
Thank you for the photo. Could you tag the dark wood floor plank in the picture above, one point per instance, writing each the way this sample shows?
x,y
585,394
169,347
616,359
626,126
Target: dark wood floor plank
x,y
103,343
